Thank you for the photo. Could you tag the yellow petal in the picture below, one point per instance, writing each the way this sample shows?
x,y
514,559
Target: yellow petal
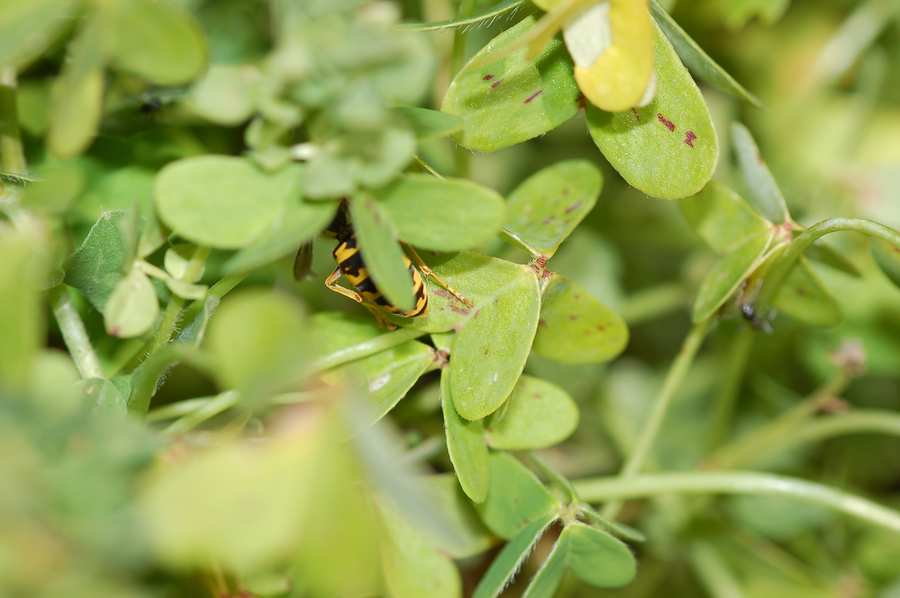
x,y
612,44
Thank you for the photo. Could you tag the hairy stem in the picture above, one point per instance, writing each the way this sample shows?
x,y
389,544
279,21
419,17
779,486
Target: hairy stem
x,y
74,334
661,405
734,482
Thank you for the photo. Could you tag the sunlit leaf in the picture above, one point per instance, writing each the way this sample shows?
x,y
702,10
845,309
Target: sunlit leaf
x,y
721,217
667,149
27,28
538,414
490,351
515,497
442,214
574,327
544,210
513,99
222,201
466,447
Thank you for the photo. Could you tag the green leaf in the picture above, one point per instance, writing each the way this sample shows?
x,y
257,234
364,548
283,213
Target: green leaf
x,y
490,351
442,214
598,558
485,14
738,13
300,223
667,149
887,256
696,60
466,446
429,124
507,564
545,209
474,537
727,274
381,252
515,499
258,336
575,327
765,195
20,310
823,253
537,415
77,94
104,257
28,28
511,100
132,307
222,201
804,297
412,566
158,41
547,579
721,217
226,95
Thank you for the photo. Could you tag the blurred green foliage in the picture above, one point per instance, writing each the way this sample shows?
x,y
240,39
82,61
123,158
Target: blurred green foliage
x,y
186,410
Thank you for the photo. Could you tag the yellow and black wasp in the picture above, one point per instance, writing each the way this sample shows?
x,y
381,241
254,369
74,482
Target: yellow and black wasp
x,y
351,265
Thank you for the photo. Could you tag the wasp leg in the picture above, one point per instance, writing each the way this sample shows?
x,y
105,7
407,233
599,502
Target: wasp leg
x,y
380,319
331,283
424,269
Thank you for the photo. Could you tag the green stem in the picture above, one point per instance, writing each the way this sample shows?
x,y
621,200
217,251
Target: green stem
x,y
782,268
365,348
211,408
176,304
653,303
713,572
74,334
734,374
457,60
601,489
648,435
551,474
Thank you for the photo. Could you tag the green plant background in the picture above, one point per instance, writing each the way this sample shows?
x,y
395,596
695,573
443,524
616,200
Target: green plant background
x,y
668,380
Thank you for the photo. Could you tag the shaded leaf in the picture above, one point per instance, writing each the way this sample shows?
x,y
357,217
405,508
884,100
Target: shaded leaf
x,y
132,307
721,217
598,558
382,254
429,124
804,297
727,274
507,564
515,497
20,310
887,256
484,14
764,193
456,508
104,257
158,41
544,210
466,446
576,328
490,351
826,254
226,94
667,149
696,59
514,99
222,201
442,214
538,414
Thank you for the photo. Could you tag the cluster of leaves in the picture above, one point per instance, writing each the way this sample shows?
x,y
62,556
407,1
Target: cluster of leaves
x,y
178,149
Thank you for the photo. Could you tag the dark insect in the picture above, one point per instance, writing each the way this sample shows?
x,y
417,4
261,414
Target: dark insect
x,y
150,103
351,265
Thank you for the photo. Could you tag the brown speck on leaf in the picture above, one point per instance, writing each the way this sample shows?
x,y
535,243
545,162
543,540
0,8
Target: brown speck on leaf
x,y
496,83
665,121
542,322
581,101
573,207
463,311
637,115
487,77
536,396
532,96
689,138
573,317
547,220
601,328
114,331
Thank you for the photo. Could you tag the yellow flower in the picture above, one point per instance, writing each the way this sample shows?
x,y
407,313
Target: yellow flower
x,y
612,45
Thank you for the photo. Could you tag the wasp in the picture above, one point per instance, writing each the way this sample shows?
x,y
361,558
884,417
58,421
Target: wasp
x,y
351,265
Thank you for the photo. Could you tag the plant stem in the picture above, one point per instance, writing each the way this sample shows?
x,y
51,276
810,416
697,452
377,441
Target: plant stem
x,y
74,334
713,573
551,474
673,381
734,374
735,482
210,409
365,348
176,303
457,60
782,268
